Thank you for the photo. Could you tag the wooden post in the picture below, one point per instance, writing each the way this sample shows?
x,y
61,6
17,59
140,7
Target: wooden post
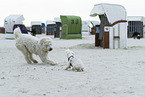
x,y
97,41
106,37
106,40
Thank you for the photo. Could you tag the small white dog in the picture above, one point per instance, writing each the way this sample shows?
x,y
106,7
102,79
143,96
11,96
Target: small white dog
x,y
74,62
29,45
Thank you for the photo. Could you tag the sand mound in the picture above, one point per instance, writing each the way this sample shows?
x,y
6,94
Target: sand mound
x,y
83,46
136,47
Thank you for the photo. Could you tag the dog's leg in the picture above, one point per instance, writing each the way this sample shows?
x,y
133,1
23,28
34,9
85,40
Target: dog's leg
x,y
79,69
82,69
73,68
51,62
45,60
68,66
34,61
27,58
25,52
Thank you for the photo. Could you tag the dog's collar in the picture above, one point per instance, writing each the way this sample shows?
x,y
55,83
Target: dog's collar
x,y
70,57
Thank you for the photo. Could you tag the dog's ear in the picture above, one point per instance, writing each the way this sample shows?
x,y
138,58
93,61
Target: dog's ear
x,y
72,52
69,51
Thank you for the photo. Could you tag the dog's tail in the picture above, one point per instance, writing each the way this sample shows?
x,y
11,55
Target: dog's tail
x,y
17,32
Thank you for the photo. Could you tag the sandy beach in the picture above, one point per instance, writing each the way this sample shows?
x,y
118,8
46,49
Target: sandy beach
x,y
107,72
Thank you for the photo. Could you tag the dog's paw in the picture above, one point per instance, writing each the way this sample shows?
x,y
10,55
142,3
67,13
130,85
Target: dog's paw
x,y
35,61
29,62
54,64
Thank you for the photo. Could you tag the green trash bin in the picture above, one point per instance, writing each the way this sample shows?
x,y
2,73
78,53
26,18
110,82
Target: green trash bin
x,y
71,27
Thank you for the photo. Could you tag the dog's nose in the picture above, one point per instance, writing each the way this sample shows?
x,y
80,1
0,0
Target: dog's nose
x,y
50,49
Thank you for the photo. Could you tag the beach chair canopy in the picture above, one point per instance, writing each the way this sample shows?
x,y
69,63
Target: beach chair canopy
x,y
113,12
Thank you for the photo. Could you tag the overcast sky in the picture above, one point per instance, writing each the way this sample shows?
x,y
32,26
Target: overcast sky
x,y
42,10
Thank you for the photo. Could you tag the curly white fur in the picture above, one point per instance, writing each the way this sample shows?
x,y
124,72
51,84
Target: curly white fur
x,y
74,62
29,45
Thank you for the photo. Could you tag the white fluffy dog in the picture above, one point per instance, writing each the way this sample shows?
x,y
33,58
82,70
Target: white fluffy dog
x,y
74,62
29,45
